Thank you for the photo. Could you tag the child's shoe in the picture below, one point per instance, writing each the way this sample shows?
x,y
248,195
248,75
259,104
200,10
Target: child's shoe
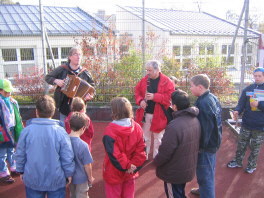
x,y
195,191
7,180
250,170
233,164
14,174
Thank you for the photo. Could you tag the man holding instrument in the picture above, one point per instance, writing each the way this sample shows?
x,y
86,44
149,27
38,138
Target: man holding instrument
x,y
58,75
153,95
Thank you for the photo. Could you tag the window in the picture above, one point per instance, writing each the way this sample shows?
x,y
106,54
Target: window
x,y
25,67
10,70
186,50
176,50
201,50
9,55
210,50
249,49
64,62
186,63
227,48
230,61
26,54
54,51
224,49
249,60
206,50
65,52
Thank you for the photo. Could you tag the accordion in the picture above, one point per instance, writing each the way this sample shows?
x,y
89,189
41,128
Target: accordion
x,y
76,87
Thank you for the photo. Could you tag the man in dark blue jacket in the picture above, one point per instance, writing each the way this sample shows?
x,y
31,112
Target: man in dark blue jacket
x,y
252,130
211,135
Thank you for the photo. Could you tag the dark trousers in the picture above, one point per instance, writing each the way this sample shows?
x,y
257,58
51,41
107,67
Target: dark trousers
x,y
174,190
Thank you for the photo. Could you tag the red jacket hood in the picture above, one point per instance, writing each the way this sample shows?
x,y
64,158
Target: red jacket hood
x,y
122,130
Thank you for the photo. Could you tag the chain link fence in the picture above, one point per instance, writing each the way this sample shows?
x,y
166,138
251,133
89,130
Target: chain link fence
x,y
187,43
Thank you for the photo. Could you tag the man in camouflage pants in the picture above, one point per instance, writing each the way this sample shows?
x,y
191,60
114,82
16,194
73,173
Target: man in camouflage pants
x,y
252,130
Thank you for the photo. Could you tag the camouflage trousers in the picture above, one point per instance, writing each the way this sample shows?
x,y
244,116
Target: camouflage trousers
x,y
253,139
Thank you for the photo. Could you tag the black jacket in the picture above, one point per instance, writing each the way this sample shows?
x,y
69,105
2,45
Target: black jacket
x,y
62,101
253,120
211,122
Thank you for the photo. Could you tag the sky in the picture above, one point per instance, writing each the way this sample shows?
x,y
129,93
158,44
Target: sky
x,y
215,7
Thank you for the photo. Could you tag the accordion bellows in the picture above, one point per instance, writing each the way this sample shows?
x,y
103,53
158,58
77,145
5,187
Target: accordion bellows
x,y
76,87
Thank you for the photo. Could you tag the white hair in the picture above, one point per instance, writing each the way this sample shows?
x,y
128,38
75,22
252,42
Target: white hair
x,y
155,64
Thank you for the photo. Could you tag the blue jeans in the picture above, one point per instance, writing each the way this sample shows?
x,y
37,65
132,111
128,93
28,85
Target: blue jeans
x,y
6,154
174,190
60,193
205,172
62,117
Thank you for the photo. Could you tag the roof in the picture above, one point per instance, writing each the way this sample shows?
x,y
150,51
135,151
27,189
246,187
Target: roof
x,y
23,20
188,22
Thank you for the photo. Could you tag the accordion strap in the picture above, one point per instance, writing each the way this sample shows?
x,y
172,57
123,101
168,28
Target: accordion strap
x,y
67,68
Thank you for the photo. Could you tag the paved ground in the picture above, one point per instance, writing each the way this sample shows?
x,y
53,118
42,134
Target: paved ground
x,y
233,183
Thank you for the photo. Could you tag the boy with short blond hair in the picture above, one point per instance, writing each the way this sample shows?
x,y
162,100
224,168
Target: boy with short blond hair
x,y
211,134
82,177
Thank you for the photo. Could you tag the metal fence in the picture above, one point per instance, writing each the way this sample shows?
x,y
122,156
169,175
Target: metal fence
x,y
186,43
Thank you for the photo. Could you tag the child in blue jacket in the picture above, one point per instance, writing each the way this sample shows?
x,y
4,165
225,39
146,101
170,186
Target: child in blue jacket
x,y
44,154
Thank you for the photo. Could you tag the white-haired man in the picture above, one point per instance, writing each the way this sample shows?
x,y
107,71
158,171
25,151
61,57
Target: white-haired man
x,y
153,95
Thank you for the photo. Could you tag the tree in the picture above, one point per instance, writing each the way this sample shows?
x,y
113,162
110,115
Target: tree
x,y
234,17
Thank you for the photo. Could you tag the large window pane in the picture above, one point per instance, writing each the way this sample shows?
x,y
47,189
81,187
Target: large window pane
x,y
231,60
201,50
9,55
54,51
186,63
210,50
249,60
187,50
65,52
10,70
27,54
233,49
249,49
224,49
176,50
26,67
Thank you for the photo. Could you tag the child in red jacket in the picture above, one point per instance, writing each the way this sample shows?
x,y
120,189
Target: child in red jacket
x,y
125,151
79,106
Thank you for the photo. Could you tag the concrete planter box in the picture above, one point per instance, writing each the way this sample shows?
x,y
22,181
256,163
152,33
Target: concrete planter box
x,y
102,113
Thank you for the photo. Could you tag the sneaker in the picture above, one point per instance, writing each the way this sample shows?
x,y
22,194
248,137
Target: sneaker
x,y
14,174
233,164
195,191
7,180
250,170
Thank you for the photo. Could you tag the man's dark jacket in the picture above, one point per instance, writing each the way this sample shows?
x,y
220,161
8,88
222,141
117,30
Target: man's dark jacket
x,y
177,157
253,120
61,73
211,122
